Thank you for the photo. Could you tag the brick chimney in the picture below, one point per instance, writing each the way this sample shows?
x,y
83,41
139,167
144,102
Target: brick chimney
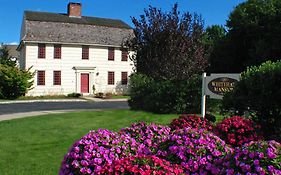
x,y
74,10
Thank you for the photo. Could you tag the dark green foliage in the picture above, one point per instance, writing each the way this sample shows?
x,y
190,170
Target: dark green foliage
x,y
210,118
259,93
14,82
165,96
214,40
5,58
74,95
167,45
213,35
253,37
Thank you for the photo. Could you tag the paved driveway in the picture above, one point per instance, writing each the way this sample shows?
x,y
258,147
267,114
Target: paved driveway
x,y
51,106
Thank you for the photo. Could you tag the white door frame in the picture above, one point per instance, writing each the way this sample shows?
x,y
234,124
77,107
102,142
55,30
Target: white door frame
x,y
86,70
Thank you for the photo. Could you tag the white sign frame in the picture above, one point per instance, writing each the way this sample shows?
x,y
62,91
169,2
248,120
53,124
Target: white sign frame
x,y
206,91
210,78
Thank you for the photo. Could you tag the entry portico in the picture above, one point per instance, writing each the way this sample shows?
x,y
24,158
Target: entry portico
x,y
84,79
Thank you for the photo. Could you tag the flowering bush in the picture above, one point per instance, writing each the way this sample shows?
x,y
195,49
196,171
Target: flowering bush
x,y
148,135
259,157
142,165
195,150
237,130
89,154
192,121
142,148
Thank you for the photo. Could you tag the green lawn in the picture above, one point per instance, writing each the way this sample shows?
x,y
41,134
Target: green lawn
x,y
36,145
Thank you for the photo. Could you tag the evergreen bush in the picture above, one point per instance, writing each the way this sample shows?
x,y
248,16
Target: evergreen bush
x,y
259,93
14,82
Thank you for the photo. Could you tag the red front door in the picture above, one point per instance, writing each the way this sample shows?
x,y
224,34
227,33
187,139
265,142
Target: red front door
x,y
84,83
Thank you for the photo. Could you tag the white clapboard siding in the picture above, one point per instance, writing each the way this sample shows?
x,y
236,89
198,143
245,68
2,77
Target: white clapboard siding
x,y
72,57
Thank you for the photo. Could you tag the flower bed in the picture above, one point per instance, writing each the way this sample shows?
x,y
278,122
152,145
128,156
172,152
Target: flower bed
x,y
259,157
195,150
191,121
148,135
147,149
142,165
237,130
89,154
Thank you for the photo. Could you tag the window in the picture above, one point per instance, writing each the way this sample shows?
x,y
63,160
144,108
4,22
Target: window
x,y
40,77
110,78
57,51
124,78
41,50
111,53
124,55
57,78
85,52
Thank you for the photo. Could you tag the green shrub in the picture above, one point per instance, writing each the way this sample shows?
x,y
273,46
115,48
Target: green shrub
x,y
259,93
14,82
74,95
99,95
164,96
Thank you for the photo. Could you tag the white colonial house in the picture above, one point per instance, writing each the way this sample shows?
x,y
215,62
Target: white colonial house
x,y
72,53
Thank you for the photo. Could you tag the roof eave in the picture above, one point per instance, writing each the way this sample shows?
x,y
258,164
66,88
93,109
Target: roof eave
x,y
20,46
68,43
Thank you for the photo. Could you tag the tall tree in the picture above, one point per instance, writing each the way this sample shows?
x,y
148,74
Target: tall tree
x,y
254,35
5,58
215,33
214,36
167,45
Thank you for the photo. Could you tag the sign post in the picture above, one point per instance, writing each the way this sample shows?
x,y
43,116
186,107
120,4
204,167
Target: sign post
x,y
215,86
203,101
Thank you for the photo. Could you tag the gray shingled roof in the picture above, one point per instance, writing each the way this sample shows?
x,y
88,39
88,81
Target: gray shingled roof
x,y
51,27
64,18
12,51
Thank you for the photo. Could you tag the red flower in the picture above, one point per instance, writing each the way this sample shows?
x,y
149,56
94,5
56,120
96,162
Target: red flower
x,y
143,165
192,121
238,130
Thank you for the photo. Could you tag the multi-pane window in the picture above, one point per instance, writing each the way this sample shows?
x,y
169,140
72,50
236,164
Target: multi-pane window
x,y
110,78
85,52
41,50
57,51
57,77
111,53
124,78
40,77
124,55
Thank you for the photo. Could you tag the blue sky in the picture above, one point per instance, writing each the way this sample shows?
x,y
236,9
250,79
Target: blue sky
x,y
212,11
